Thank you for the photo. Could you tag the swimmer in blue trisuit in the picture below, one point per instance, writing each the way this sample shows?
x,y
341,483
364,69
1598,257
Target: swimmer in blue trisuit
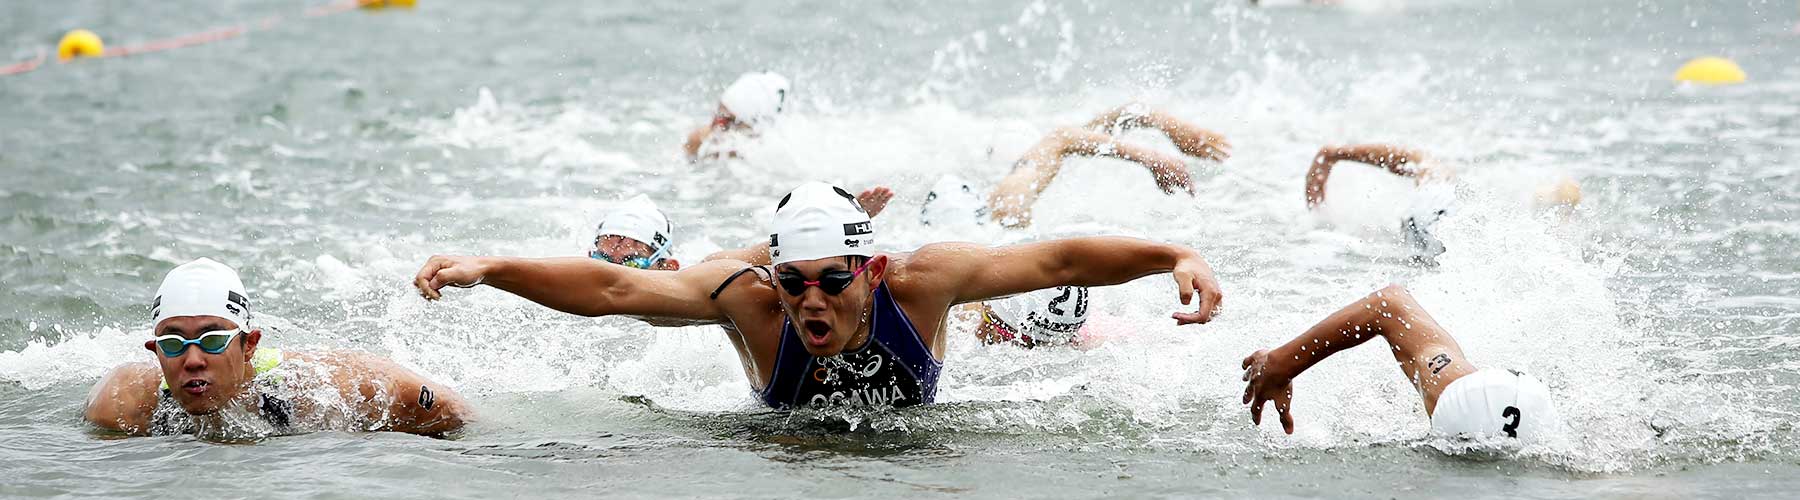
x,y
953,201
1435,197
212,377
1459,398
833,321
746,108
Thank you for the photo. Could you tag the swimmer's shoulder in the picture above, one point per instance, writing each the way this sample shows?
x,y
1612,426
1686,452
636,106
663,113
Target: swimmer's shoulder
x,y
739,288
124,400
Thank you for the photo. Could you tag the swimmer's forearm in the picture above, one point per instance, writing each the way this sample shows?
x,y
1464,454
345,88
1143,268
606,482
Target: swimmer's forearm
x,y
1102,261
1317,174
1401,161
573,285
1347,328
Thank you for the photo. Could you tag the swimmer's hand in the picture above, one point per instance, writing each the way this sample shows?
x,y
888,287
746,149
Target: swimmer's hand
x,y
1266,381
1171,176
1212,146
1193,275
875,199
441,271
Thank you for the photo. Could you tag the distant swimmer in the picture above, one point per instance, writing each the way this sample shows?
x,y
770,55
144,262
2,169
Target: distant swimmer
x,y
833,322
747,108
1459,399
954,201
1435,197
636,234
212,377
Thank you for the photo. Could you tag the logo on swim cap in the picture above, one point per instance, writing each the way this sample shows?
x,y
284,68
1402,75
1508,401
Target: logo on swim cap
x,y
201,288
816,221
638,219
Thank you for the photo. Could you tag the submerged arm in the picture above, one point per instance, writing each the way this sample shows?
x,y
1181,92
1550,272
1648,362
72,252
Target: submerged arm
x,y
397,399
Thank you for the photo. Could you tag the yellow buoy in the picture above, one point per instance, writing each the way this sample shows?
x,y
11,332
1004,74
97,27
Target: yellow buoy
x,y
1710,70
382,4
79,43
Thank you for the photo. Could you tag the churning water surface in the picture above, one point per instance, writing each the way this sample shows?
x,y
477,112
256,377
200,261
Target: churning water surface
x,y
327,158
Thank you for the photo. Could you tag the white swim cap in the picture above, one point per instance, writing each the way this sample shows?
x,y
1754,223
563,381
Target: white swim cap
x,y
203,287
756,97
638,219
952,201
1048,316
1496,402
819,220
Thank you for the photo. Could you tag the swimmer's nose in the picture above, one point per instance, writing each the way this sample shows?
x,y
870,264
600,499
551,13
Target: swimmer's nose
x,y
813,300
193,359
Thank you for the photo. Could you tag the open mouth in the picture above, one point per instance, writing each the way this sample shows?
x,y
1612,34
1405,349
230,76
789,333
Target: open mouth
x,y
818,332
196,386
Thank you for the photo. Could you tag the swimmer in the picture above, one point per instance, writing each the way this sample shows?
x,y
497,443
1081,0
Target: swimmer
x,y
832,322
746,108
1459,398
1051,317
1435,197
213,377
636,235
951,200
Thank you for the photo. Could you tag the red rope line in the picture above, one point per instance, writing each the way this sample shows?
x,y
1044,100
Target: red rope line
x,y
192,39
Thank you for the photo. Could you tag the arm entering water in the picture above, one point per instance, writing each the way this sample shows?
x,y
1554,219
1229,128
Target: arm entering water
x,y
1011,202
1418,344
1401,161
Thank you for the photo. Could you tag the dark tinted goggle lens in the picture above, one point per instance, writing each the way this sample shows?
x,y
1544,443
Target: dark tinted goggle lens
x,y
832,283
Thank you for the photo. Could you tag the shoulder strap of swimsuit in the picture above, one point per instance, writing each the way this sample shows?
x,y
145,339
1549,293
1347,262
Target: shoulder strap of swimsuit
x,y
760,273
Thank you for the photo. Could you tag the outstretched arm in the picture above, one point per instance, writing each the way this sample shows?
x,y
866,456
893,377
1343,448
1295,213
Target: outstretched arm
x,y
1399,160
967,272
1189,138
585,286
1010,203
1426,353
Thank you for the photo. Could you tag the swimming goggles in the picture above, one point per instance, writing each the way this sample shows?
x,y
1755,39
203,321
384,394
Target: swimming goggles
x,y
211,343
830,282
633,262
1000,328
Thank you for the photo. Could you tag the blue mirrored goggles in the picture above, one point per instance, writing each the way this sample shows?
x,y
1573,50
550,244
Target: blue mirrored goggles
x,y
211,343
633,262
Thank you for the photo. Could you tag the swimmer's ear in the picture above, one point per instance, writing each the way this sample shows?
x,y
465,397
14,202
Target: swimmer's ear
x,y
668,265
251,339
877,270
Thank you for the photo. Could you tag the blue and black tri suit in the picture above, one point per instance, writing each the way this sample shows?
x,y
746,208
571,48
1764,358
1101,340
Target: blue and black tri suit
x,y
894,368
